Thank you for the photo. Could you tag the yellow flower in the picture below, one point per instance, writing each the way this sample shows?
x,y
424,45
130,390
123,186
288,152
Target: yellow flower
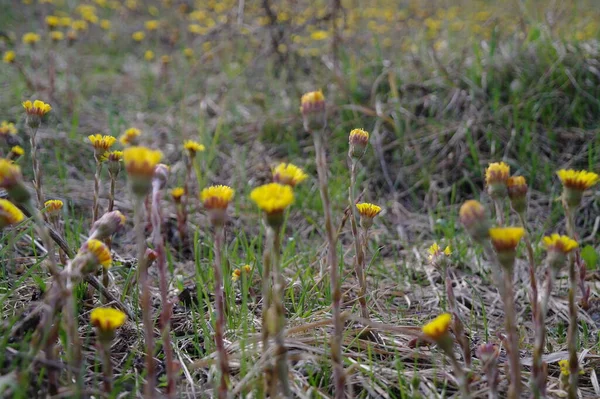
x,y
506,238
107,319
9,214
188,52
57,36
438,327
359,138
16,151
216,197
105,24
435,251
31,38
556,242
319,35
7,128
38,108
130,136
52,21
10,174
149,55
472,216
564,367
101,144
496,176
99,250
287,173
177,193
273,198
580,180
79,25
151,25
368,210
138,36
9,57
65,21
165,59
141,161
313,101
192,147
237,273
53,206
114,156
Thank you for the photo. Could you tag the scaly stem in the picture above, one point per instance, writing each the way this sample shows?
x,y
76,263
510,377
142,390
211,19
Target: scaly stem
x,y
266,304
572,332
514,389
539,377
106,366
499,213
338,326
145,297
37,173
96,190
111,194
161,263
530,258
359,262
280,349
459,329
459,373
220,314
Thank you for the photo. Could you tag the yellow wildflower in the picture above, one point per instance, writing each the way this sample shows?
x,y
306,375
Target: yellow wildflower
x,y
151,25
438,327
517,191
506,238
99,251
358,139
472,216
53,206
141,161
10,174
52,21
15,152
31,38
38,108
216,197
192,147
237,273
130,136
560,243
287,173
319,35
9,214
9,57
577,179
65,21
107,319
149,55
188,52
105,24
435,251
57,36
177,193
313,101
101,144
273,198
496,176
165,59
368,210
7,128
138,36
79,25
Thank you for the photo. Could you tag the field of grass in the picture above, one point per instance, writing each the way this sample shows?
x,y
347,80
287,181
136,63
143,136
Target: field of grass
x,y
444,89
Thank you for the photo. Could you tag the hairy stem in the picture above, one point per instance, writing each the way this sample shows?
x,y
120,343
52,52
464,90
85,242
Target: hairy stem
x,y
37,173
220,314
514,389
499,212
539,376
107,370
572,332
96,190
111,193
359,262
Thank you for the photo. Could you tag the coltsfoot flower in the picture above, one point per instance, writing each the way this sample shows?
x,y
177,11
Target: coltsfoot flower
x,y
53,207
52,21
216,199
9,214
437,330
558,247
473,218
140,163
575,182
367,213
9,57
312,107
505,241
107,225
517,193
101,144
94,253
151,25
192,148
436,254
106,321
31,38
358,140
177,193
114,160
15,152
149,55
35,111
237,273
130,136
496,176
138,36
7,129
11,180
288,174
273,199
57,36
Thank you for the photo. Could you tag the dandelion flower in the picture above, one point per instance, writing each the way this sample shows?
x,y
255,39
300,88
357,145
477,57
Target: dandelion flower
x,y
216,199
188,52
273,199
107,319
31,38
53,206
9,214
438,327
192,147
496,176
11,179
312,102
96,253
9,57
79,25
52,21
130,136
237,273
7,128
289,174
575,182
505,241
368,210
101,144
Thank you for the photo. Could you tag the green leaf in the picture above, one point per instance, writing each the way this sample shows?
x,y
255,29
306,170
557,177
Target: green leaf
x,y
590,257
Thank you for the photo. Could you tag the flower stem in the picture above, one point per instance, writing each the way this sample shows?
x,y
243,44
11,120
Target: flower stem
x,y
111,194
463,383
266,302
572,332
336,340
278,289
37,173
359,263
539,376
106,366
514,389
96,190
532,267
145,297
499,213
220,313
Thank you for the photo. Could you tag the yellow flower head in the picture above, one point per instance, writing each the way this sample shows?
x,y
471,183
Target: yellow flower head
x,y
497,172
52,21
7,128
319,35
367,210
10,174
101,143
138,36
165,59
105,24
57,36
177,193
149,55
31,38
99,250
16,152
107,319
192,147
289,174
9,57
359,138
438,327
517,186
216,197
556,242
506,238
472,216
188,52
564,367
114,156
273,197
38,108
79,25
151,25
53,206
435,251
130,136
65,21
579,180
141,161
9,214
237,273
313,101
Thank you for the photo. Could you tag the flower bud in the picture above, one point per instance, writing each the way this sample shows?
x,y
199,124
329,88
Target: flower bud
x,y
359,140
473,218
312,107
107,225
517,192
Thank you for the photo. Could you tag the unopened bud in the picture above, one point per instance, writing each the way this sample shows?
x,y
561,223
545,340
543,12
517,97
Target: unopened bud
x,y
473,218
107,225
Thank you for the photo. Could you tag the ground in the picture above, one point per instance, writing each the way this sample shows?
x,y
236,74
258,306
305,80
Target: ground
x,y
444,88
